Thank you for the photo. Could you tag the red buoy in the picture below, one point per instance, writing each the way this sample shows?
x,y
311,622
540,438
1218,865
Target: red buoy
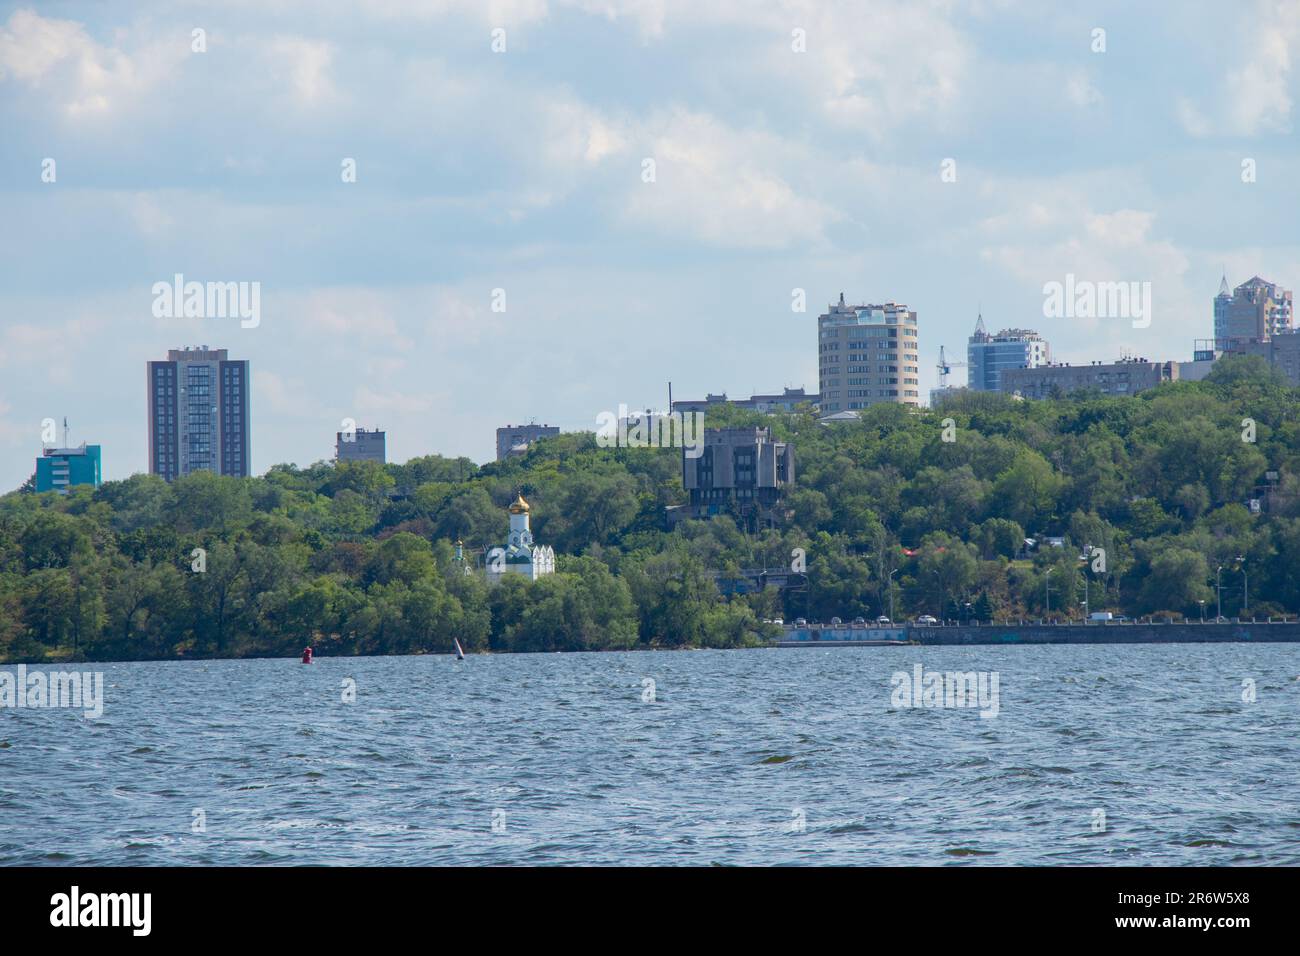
x,y
306,655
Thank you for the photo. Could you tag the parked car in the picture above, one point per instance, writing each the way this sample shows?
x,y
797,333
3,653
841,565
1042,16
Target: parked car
x,y
777,620
800,622
859,622
883,620
836,622
926,619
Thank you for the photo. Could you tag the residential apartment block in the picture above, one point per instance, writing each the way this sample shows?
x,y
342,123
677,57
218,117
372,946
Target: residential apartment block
x,y
516,439
1255,311
787,401
360,445
867,354
198,414
1125,377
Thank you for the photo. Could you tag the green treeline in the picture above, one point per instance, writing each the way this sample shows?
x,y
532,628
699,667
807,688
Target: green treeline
x,y
359,558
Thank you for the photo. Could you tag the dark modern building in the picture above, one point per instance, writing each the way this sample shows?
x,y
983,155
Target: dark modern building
x,y
198,414
740,471
361,445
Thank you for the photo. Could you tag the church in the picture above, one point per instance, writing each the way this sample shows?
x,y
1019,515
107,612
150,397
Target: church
x,y
520,555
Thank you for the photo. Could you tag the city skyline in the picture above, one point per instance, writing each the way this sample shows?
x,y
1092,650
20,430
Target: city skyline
x,y
377,295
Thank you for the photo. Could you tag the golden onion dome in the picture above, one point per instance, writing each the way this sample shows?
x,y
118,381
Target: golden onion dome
x,y
520,507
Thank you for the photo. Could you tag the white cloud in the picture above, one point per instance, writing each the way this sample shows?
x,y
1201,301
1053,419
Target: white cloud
x,y
150,216
303,67
1080,91
58,60
1191,118
13,432
574,133
1256,95
354,320
495,12
1115,246
392,401
723,186
280,395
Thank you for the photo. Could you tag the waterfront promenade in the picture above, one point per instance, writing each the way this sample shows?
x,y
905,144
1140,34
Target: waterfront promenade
x,y
1143,631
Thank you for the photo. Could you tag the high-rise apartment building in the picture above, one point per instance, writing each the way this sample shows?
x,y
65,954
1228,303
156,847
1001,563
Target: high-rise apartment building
x,y
867,354
987,355
198,414
1255,311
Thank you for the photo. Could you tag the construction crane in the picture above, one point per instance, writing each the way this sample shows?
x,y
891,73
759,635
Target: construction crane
x,y
945,367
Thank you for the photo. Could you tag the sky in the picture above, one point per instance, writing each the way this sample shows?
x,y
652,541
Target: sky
x,y
559,206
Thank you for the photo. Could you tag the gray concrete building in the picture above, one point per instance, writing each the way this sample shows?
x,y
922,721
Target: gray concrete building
x,y
987,355
198,414
787,401
867,354
741,471
1282,351
516,439
1125,377
1196,369
361,445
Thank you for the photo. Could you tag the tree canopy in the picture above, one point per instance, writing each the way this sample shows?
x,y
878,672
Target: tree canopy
x,y
358,558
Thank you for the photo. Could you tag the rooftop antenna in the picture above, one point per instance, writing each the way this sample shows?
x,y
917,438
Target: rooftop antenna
x,y
65,432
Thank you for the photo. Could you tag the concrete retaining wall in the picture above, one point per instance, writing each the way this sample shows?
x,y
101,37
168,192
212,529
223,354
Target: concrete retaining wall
x,y
1245,632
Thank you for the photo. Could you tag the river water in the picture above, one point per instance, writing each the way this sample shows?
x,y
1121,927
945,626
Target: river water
x,y
1097,755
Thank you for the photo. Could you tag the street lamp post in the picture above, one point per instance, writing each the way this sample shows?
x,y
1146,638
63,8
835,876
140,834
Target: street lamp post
x,y
1218,587
1085,593
1245,586
891,594
1202,603
1047,590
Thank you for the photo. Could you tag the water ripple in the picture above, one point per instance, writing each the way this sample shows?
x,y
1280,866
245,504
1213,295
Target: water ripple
x,y
1098,756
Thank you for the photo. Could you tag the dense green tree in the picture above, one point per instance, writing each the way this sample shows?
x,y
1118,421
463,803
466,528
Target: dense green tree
x,y
1149,496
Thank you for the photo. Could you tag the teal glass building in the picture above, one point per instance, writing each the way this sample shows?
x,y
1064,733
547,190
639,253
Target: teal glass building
x,y
58,469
